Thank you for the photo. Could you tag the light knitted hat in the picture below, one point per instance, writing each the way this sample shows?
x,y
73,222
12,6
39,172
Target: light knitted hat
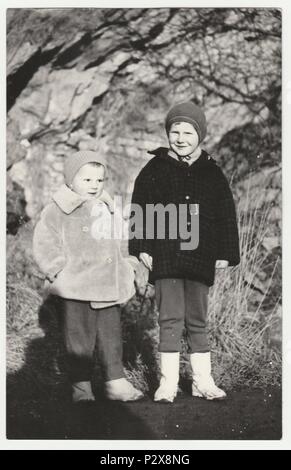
x,y
74,162
188,112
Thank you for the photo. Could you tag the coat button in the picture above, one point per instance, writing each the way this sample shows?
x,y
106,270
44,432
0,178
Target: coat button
x,y
109,260
85,228
187,197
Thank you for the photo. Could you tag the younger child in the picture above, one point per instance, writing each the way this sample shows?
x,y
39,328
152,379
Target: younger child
x,y
185,175
89,273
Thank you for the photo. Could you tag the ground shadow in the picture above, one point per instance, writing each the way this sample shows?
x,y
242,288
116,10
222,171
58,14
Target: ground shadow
x,y
39,400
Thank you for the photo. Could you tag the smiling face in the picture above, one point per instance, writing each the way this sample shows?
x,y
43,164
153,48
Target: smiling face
x,y
183,139
89,180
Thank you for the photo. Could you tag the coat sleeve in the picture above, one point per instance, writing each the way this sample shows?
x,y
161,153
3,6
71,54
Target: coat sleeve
x,y
226,223
138,243
48,248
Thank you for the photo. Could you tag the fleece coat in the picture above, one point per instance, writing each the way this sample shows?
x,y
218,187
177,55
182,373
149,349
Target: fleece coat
x,y
72,249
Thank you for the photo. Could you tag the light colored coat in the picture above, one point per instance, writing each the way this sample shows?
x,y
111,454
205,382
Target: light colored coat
x,y
70,251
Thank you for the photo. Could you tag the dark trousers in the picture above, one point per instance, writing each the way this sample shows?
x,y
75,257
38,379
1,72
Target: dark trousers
x,y
182,303
86,329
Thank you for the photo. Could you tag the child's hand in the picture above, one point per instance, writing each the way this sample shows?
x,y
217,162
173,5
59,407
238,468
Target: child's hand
x,y
147,260
221,263
141,278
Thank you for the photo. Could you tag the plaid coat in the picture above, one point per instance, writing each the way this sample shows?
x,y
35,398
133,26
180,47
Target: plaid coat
x,y
166,180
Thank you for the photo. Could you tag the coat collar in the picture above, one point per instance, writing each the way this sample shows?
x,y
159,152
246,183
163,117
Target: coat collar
x,y
68,200
163,152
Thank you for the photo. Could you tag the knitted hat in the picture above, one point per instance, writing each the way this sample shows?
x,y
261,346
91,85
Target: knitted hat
x,y
74,162
187,112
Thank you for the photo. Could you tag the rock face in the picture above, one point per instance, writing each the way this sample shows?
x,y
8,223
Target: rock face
x,y
104,79
94,78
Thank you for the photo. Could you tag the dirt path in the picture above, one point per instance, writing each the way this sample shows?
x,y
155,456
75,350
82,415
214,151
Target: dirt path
x,y
245,414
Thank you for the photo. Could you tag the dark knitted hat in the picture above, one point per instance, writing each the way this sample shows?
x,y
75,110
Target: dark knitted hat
x,y
75,161
187,112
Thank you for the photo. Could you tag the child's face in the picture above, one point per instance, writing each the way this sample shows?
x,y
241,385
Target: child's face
x,y
183,138
89,181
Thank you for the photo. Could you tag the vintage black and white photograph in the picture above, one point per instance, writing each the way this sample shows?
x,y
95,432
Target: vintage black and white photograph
x,y
144,287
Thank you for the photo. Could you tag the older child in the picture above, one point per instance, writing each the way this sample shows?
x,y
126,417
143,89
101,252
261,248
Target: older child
x,y
89,273
185,175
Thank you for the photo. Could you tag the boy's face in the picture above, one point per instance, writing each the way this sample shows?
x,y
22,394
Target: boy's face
x,y
183,138
89,181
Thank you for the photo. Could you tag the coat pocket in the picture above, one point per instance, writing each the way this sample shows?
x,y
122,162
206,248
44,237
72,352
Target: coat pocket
x,y
88,281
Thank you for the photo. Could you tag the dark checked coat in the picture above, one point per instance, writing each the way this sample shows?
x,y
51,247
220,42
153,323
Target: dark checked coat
x,y
166,180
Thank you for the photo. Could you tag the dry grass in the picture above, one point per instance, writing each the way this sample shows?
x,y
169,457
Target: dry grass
x,y
244,313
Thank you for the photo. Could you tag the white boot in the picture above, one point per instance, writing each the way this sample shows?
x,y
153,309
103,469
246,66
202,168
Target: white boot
x,y
203,384
167,391
122,390
82,391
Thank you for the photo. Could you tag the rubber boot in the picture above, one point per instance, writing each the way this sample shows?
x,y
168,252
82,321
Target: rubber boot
x,y
203,384
169,364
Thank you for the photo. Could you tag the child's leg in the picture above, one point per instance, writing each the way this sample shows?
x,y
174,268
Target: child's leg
x,y
171,306
196,304
109,346
109,342
79,324
196,297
